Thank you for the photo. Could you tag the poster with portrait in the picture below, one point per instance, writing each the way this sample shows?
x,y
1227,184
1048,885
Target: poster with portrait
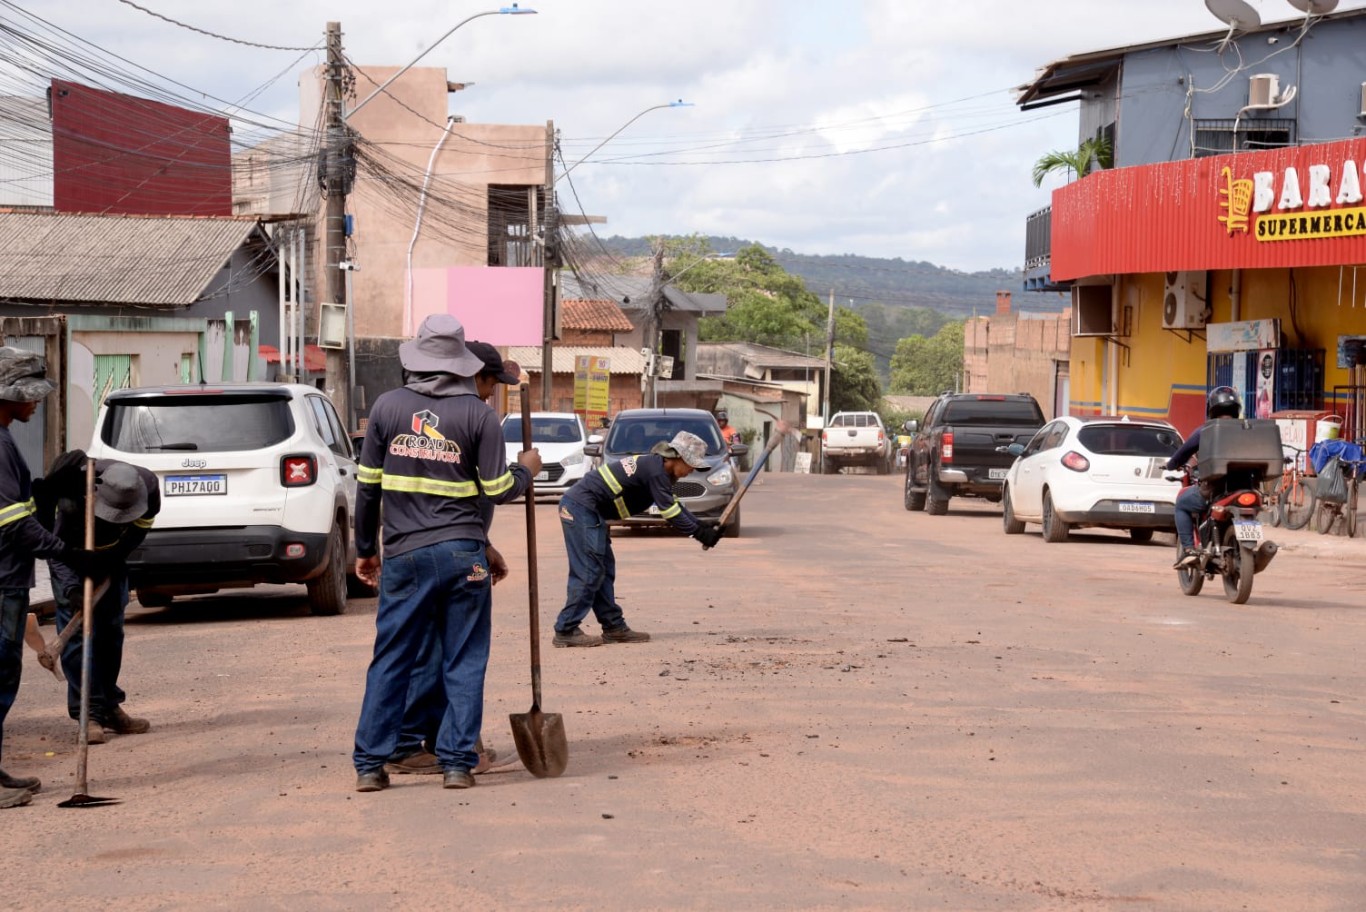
x,y
1266,383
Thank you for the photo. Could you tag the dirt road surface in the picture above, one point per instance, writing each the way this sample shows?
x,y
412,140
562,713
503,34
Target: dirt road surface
x,y
851,707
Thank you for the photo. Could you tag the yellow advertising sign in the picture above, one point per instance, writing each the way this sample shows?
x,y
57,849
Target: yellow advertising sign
x,y
1307,226
592,382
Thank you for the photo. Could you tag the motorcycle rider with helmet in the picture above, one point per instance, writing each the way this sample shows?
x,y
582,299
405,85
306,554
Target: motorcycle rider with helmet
x,y
1223,402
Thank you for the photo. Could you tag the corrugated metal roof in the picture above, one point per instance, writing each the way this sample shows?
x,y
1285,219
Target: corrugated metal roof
x,y
623,360
633,292
164,261
766,356
604,316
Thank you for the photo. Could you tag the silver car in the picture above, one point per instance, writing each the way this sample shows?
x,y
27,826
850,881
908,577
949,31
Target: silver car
x,y
705,492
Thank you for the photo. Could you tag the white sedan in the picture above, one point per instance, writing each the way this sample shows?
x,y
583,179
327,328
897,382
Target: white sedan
x,y
1096,471
560,437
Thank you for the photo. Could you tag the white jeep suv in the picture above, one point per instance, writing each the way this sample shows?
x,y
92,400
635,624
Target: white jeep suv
x,y
258,485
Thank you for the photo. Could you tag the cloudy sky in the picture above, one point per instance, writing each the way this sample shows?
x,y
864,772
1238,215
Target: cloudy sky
x,y
875,127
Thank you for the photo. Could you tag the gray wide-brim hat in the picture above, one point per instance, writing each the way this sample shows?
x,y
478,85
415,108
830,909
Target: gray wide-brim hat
x,y
439,349
120,494
23,375
684,446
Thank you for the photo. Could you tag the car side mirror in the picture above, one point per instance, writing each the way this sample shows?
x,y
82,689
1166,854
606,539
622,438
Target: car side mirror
x,y
739,449
911,426
593,449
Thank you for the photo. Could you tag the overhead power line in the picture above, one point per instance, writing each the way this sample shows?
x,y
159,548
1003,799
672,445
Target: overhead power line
x,y
177,22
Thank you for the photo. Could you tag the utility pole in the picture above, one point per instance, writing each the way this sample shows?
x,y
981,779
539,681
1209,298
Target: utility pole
x,y
652,326
336,181
550,254
829,357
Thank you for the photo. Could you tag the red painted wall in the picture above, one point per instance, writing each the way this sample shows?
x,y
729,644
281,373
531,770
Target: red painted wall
x,y
1166,217
118,154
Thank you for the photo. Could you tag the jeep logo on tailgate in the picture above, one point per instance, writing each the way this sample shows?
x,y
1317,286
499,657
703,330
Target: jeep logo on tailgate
x,y
193,463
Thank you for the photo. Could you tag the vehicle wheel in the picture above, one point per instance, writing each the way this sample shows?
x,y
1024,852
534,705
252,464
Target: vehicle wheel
x,y
937,501
829,466
1351,508
1191,579
1140,536
1296,506
327,593
154,599
1326,518
882,467
732,529
1239,565
911,499
1011,525
1054,529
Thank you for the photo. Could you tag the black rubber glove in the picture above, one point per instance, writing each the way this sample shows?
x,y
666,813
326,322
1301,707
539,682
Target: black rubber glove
x,y
708,535
94,564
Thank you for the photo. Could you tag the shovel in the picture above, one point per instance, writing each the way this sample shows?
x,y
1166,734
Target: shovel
x,y
82,798
540,739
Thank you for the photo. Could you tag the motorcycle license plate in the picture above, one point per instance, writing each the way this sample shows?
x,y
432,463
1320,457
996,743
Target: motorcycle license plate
x,y
997,474
1247,531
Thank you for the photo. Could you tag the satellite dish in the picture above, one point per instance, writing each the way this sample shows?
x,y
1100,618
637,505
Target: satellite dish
x,y
1314,7
1238,14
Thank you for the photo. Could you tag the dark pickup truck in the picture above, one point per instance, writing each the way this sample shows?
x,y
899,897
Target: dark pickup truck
x,y
955,454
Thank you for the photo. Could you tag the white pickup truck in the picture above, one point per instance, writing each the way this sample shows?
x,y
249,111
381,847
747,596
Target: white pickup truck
x,y
855,439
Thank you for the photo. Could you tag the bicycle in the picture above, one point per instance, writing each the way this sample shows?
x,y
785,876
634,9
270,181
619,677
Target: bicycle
x,y
1288,500
1328,512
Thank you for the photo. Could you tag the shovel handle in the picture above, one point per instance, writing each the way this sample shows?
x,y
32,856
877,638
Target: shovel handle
x,y
532,581
87,604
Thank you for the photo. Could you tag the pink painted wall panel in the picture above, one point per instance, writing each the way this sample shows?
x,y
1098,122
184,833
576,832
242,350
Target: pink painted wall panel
x,y
497,304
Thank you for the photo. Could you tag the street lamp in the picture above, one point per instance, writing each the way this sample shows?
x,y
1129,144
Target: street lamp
x,y
673,104
513,10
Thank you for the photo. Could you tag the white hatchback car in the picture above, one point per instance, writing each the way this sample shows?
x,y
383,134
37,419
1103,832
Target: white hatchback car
x,y
258,485
560,437
1097,471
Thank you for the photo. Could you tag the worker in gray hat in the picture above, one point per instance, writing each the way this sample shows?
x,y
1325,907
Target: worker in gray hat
x,y
23,383
618,490
127,499
433,448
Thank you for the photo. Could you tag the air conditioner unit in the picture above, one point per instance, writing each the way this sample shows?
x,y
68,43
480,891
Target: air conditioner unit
x,y
1262,90
1185,303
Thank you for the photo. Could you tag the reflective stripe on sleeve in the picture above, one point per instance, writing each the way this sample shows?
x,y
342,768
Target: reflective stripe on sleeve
x,y
146,523
612,484
16,512
500,484
369,475
672,510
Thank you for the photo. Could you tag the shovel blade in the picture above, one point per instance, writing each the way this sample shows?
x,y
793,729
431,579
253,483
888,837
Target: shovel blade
x,y
80,801
541,742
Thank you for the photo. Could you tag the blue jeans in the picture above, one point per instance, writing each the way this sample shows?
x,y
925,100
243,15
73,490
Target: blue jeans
x,y
1190,503
442,591
106,650
426,702
13,617
592,569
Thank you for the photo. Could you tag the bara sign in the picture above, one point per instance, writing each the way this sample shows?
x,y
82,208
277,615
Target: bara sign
x,y
1294,213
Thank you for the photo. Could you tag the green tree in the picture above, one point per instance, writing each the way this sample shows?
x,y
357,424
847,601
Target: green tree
x,y
928,367
855,386
1092,154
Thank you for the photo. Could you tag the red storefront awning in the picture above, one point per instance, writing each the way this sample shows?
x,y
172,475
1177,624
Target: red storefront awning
x,y
1221,212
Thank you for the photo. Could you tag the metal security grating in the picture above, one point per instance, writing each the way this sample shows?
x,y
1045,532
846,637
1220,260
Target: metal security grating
x,y
1220,137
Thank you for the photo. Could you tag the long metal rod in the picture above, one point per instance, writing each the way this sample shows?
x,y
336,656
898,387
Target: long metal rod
x,y
532,578
88,593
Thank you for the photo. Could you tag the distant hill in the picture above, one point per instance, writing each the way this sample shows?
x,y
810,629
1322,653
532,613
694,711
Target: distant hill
x,y
860,281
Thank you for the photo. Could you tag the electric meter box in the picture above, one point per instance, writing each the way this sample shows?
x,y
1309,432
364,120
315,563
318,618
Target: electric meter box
x,y
1228,445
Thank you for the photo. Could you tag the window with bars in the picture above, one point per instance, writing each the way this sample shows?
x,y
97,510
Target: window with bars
x,y
1220,137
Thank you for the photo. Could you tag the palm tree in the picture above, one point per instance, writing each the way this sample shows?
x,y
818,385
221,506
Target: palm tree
x,y
1092,154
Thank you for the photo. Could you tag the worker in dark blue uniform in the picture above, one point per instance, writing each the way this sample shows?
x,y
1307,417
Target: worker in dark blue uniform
x,y
432,450
23,383
619,490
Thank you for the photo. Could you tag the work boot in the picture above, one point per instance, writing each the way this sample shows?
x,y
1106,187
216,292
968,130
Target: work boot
x,y
421,763
95,735
373,781
120,723
1189,558
623,634
13,798
31,783
458,779
576,637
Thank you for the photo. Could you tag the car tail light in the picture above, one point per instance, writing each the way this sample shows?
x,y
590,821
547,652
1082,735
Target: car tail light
x,y
1247,499
946,447
1075,461
298,471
